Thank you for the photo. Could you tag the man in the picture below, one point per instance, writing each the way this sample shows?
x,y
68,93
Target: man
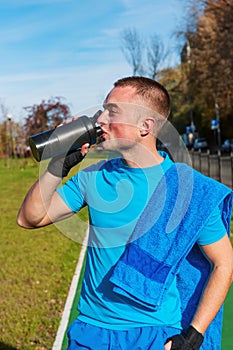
x,y
143,215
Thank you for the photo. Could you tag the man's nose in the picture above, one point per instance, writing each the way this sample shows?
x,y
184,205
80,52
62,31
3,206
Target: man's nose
x,y
103,118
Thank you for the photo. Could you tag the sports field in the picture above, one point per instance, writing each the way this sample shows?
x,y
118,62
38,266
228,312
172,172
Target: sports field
x,y
37,267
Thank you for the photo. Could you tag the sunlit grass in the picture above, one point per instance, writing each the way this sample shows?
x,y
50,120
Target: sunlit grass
x,y
36,266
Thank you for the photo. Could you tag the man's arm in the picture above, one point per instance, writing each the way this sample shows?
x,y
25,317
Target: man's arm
x,y
42,205
221,255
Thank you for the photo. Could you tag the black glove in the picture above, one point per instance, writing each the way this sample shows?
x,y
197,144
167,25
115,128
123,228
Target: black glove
x,y
190,339
61,165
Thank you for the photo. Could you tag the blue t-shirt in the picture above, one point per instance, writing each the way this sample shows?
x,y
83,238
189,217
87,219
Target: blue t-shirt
x,y
116,195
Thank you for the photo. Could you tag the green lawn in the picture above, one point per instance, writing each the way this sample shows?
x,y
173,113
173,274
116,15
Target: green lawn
x,y
228,322
36,267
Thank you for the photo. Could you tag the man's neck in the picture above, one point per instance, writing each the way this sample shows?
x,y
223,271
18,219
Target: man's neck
x,y
145,159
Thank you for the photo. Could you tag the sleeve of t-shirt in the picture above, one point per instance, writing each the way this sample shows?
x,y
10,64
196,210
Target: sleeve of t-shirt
x,y
214,229
71,194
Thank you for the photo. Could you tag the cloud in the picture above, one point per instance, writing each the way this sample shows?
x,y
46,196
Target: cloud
x,y
61,48
23,78
81,88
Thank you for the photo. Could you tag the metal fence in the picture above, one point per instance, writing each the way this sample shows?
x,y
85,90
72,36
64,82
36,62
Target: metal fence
x,y
218,167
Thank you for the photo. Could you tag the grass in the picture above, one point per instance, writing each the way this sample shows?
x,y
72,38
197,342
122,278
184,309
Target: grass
x,y
228,321
37,266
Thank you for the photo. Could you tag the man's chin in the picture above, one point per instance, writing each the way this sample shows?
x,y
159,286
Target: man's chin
x,y
115,145
108,145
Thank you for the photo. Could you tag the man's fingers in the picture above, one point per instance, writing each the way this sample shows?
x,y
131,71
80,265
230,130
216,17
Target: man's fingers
x,y
168,345
85,148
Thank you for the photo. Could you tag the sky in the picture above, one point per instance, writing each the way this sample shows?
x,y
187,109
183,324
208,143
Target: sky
x,y
72,48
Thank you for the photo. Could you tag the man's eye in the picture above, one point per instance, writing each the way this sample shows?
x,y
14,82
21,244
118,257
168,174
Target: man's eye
x,y
112,111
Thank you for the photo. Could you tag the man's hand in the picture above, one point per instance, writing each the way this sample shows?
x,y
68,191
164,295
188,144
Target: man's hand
x,y
42,205
190,339
60,166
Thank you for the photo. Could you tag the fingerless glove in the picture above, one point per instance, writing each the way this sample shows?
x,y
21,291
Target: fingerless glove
x,y
60,166
190,339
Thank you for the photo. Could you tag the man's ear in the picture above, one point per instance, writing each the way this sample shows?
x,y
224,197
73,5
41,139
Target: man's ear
x,y
146,126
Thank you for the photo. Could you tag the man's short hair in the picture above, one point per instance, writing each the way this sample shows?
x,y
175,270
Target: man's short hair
x,y
152,93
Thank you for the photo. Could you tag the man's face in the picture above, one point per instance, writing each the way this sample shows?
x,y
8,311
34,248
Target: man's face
x,y
120,119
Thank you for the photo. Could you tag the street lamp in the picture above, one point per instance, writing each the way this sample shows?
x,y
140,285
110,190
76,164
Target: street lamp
x,y
192,126
215,126
10,142
218,125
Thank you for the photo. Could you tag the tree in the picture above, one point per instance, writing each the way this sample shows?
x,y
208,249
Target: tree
x,y
46,115
156,54
173,80
3,109
147,57
211,62
144,56
12,138
132,48
5,140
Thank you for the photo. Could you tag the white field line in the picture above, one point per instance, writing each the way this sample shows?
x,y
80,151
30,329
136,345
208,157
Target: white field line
x,y
69,301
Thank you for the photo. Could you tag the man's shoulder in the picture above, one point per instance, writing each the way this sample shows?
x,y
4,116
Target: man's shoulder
x,y
187,170
101,165
202,187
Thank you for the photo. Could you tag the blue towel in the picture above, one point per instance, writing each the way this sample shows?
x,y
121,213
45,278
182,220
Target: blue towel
x,y
163,245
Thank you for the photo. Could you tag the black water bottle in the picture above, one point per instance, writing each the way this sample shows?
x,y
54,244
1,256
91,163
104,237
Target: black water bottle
x,y
65,138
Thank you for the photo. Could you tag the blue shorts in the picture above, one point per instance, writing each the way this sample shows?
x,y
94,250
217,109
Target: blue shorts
x,y
85,336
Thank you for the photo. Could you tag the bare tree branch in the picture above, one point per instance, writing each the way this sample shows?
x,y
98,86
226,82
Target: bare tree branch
x,y
132,47
156,54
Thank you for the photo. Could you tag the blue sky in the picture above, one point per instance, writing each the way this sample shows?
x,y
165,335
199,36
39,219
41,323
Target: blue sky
x,y
71,48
